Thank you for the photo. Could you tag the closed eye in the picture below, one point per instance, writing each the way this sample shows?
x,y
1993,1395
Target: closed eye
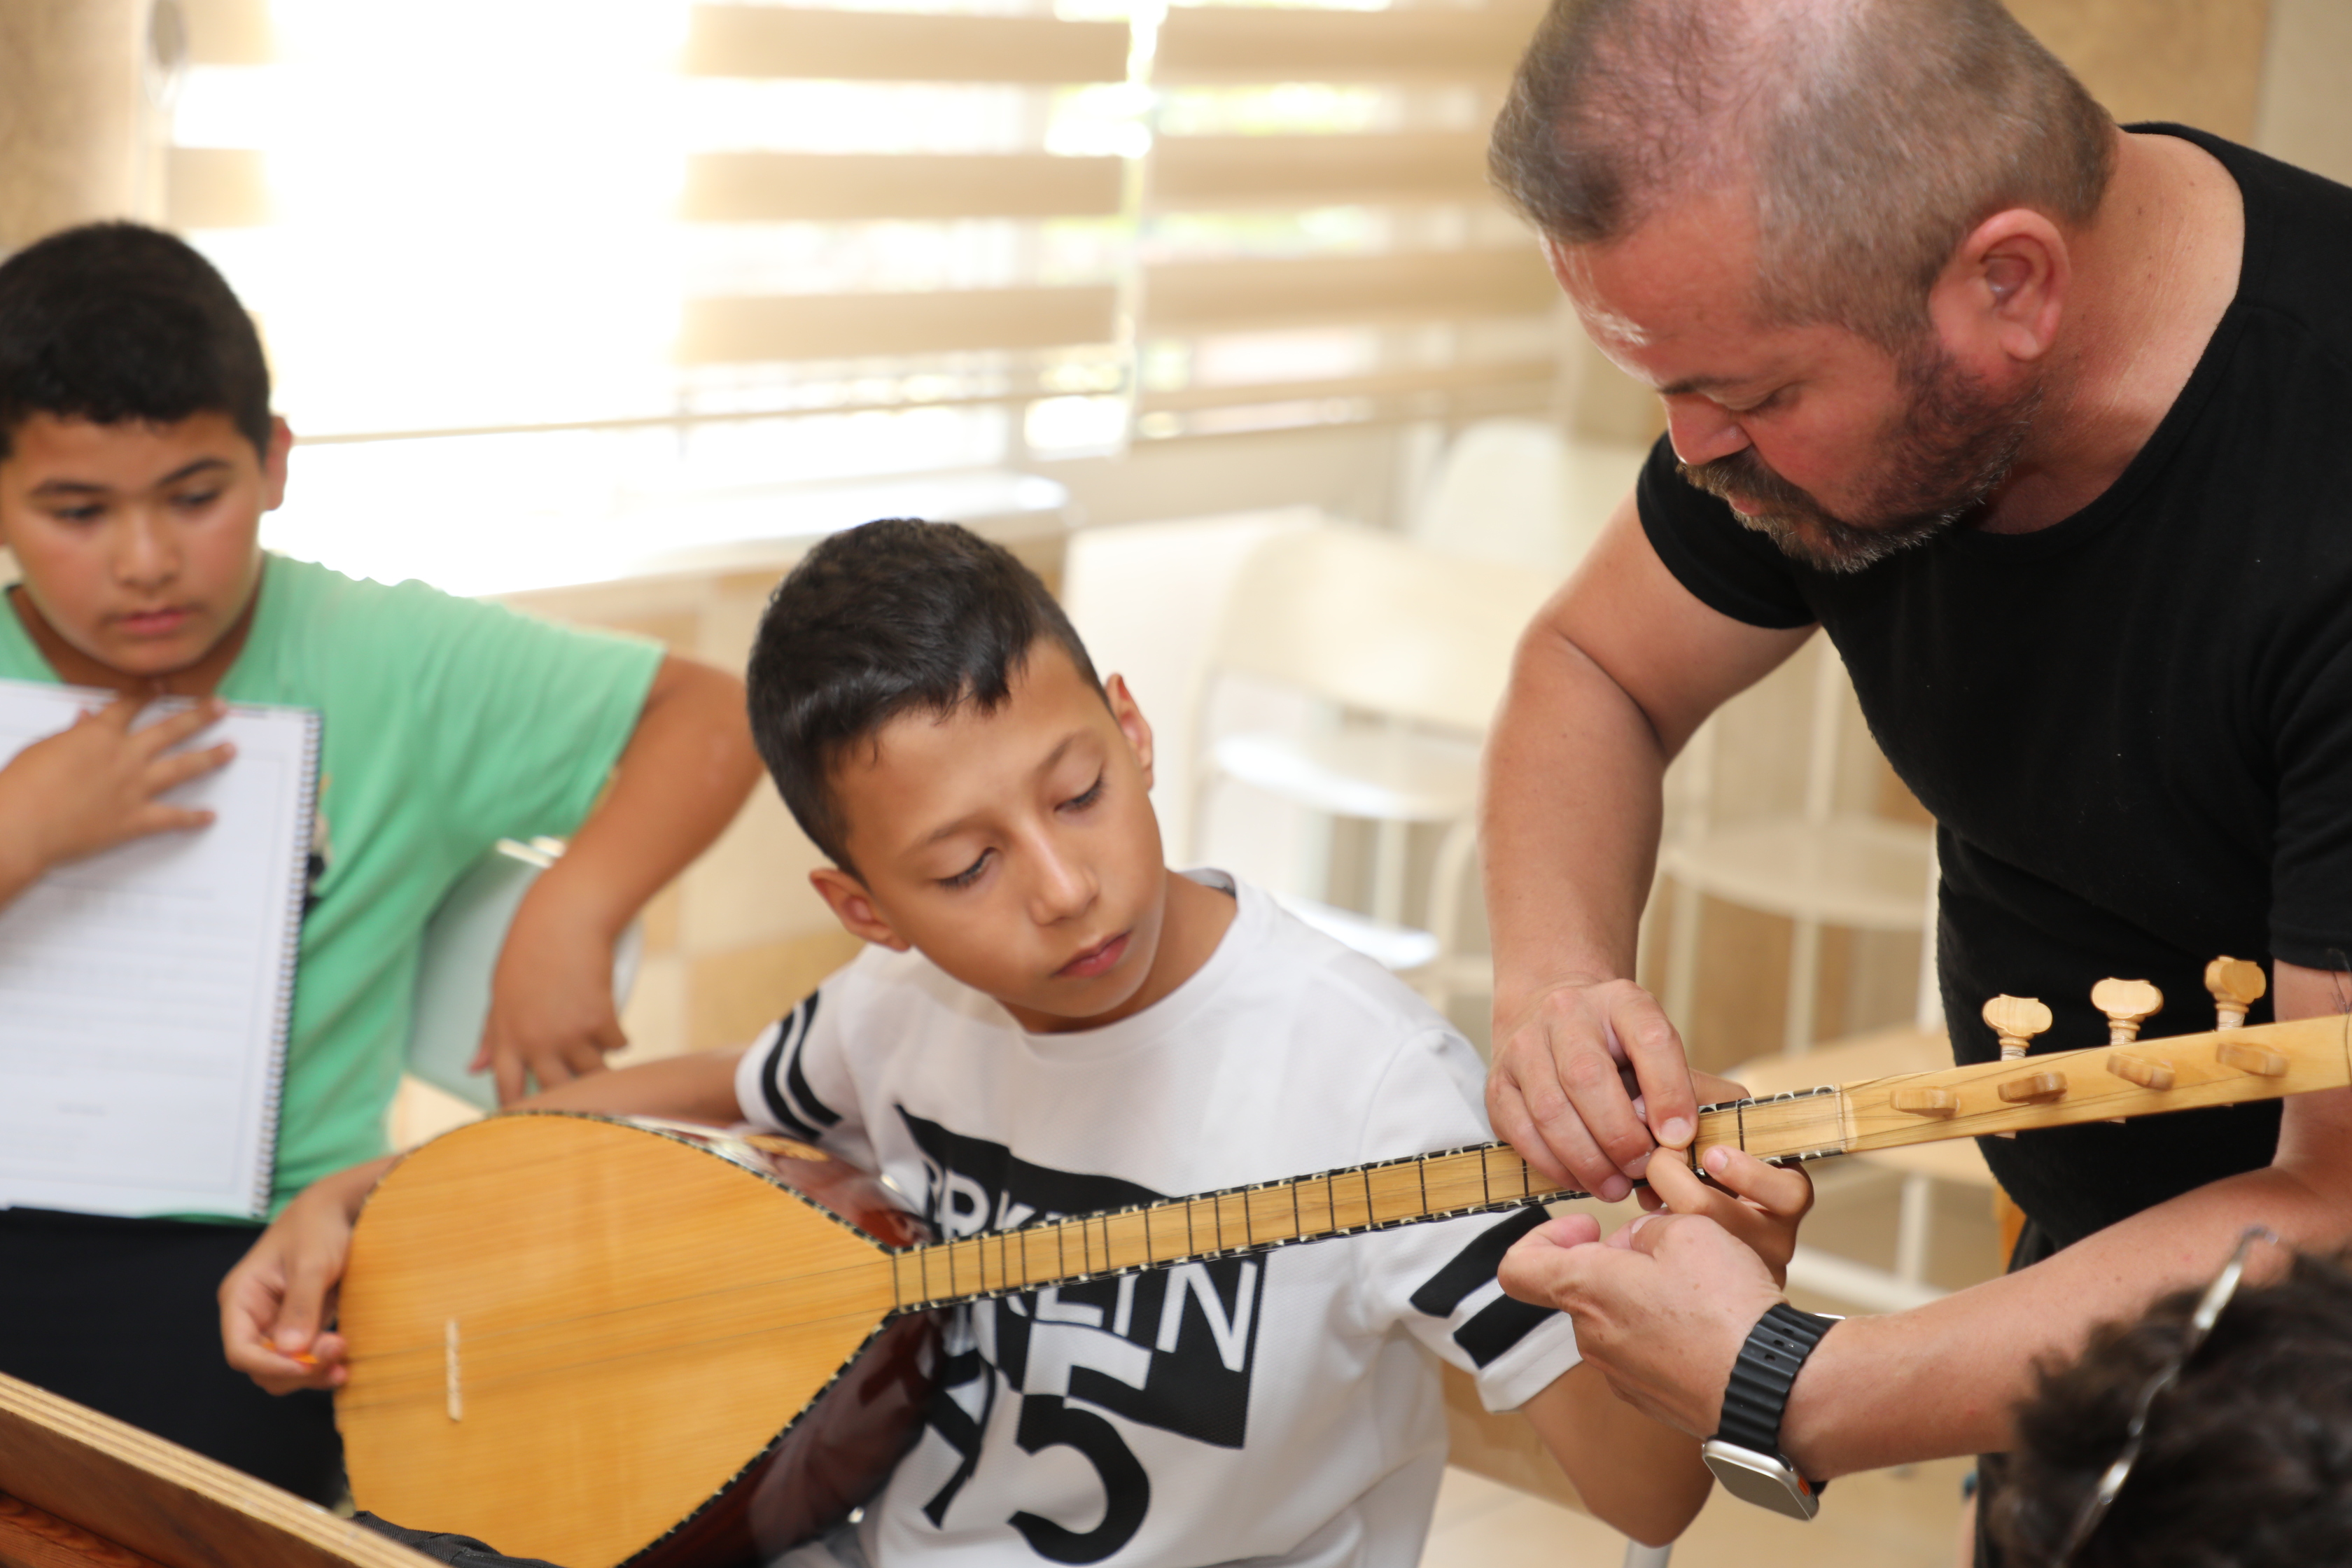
x,y
969,874
1093,794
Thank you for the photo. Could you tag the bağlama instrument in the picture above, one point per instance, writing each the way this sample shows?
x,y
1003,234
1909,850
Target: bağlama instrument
x,y
599,1340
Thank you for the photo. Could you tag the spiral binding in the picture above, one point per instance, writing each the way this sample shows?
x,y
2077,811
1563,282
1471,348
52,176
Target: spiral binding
x,y
281,1024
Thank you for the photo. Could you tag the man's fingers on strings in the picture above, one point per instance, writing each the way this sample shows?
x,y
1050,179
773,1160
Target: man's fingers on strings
x,y
1784,1191
1654,1052
1563,1127
1675,1186
1600,1110
1506,1114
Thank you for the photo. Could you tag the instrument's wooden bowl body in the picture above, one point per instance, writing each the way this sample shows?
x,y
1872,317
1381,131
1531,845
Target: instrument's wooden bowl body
x,y
598,1342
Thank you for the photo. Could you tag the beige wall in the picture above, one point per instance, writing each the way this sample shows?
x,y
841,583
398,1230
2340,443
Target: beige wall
x,y
2195,61
2305,114
80,135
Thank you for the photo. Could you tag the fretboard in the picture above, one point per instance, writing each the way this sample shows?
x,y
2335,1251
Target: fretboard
x,y
2054,1088
1484,1178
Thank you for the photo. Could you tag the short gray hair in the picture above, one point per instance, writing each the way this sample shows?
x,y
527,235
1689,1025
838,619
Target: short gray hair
x,y
1873,136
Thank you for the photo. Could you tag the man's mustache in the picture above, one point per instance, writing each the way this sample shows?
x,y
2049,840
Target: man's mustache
x,y
1745,476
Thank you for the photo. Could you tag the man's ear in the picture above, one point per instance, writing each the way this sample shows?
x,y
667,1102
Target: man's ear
x,y
1131,723
853,906
2004,292
273,463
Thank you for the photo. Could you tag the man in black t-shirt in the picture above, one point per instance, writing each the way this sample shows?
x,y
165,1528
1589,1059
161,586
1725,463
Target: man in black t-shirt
x,y
2043,422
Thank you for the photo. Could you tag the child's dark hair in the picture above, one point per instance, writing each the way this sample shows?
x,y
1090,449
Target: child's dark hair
x,y
894,617
115,321
2247,1461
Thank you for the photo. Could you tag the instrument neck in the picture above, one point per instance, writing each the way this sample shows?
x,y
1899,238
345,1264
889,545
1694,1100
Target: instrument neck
x,y
1485,1178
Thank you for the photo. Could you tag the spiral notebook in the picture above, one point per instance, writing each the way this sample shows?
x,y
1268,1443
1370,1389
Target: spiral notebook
x,y
145,993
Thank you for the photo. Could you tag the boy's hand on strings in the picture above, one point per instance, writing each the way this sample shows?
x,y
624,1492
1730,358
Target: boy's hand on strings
x,y
551,1015
1759,1204
275,1304
98,784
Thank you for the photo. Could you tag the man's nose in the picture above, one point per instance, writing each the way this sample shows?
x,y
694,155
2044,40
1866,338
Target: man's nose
x,y
1701,431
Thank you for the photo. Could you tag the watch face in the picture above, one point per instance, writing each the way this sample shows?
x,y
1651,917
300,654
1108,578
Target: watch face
x,y
1765,1480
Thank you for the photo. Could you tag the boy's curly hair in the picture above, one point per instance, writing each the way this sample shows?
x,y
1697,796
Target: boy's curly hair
x,y
2247,1461
116,322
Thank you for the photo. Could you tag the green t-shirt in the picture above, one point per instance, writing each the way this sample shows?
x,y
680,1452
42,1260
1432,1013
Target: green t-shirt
x,y
446,725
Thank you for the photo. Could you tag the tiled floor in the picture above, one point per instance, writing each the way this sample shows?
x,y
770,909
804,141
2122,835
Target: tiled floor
x,y
1884,1520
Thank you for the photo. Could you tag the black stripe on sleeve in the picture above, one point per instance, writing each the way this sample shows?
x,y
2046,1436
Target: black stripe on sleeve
x,y
819,1112
787,1039
1473,1266
1496,1327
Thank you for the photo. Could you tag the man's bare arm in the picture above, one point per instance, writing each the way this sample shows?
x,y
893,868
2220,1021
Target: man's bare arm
x,y
1609,683
1663,1315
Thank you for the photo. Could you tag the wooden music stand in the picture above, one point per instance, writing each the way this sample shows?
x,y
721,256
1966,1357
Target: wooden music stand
x,y
78,1489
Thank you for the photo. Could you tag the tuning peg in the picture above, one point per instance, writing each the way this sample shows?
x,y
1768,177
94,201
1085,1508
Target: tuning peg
x,y
2258,1060
1925,1101
2140,1070
2237,984
2016,1019
2128,1003
2039,1085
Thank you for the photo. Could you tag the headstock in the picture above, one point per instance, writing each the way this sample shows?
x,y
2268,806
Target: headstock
x,y
2233,1064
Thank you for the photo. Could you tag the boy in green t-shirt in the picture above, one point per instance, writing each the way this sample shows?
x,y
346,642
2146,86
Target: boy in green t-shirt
x,y
137,453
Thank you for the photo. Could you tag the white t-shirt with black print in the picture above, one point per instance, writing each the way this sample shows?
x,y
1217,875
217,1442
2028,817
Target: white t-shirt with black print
x,y
1281,1408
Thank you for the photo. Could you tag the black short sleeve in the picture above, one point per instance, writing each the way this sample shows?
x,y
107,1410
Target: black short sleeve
x,y
1727,567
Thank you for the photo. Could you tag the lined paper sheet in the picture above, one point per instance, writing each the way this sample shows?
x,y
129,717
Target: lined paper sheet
x,y
145,993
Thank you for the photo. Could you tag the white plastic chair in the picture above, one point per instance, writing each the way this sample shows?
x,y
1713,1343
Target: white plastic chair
x,y
1520,492
1419,643
1817,865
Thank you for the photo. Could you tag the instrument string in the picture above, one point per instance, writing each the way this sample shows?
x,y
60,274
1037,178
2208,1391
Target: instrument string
x,y
432,1387
434,1348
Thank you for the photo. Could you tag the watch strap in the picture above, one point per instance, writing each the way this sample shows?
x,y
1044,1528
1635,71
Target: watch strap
x,y
1765,1370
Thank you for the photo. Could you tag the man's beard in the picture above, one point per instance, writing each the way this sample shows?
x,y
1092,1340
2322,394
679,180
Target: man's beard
x,y
1954,444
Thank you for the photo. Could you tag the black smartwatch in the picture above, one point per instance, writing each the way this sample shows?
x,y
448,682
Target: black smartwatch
x,y
1745,1452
